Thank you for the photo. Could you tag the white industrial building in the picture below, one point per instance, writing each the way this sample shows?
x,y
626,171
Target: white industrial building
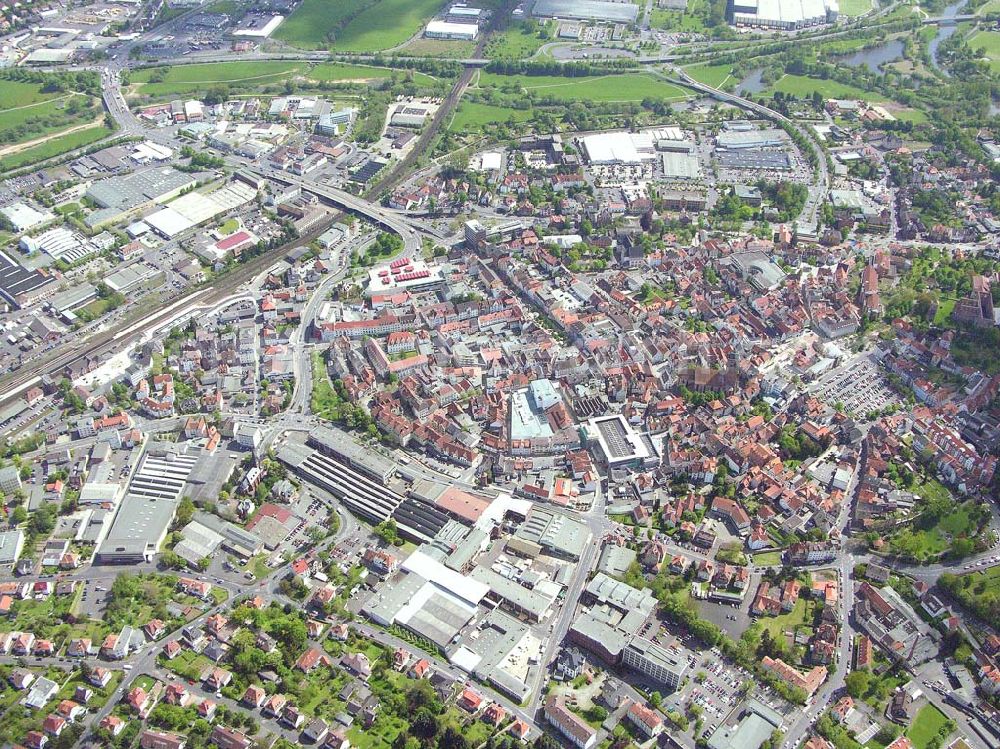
x,y
783,14
23,217
619,148
450,30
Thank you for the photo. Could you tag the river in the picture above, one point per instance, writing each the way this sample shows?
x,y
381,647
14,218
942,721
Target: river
x,y
875,57
945,30
752,84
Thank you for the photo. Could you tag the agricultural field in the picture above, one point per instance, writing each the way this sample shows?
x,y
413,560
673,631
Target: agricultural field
x,y
474,117
311,25
630,87
989,42
356,25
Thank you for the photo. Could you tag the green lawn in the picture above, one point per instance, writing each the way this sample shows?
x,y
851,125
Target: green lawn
x,y
311,24
54,147
188,665
767,559
22,94
803,86
628,87
855,7
928,723
473,117
710,75
989,42
356,25
789,622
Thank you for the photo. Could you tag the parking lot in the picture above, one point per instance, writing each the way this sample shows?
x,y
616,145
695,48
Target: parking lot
x,y
860,385
714,686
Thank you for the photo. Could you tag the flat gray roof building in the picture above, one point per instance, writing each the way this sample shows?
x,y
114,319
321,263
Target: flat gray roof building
x,y
556,534
138,529
11,543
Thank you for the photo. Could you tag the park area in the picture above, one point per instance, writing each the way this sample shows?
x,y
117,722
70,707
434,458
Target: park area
x,y
356,25
941,526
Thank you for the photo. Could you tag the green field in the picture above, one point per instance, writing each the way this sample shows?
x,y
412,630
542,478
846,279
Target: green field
x,y
855,7
710,75
28,111
516,42
310,24
190,80
800,616
181,80
944,310
54,147
21,94
767,559
473,117
445,49
993,6
928,723
356,25
803,86
629,87
925,543
690,20
989,42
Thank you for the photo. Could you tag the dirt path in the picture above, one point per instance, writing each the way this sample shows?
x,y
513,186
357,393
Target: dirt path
x,y
18,147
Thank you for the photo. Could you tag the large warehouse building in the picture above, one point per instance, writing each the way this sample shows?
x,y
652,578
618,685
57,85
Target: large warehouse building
x,y
587,10
618,148
451,30
783,14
